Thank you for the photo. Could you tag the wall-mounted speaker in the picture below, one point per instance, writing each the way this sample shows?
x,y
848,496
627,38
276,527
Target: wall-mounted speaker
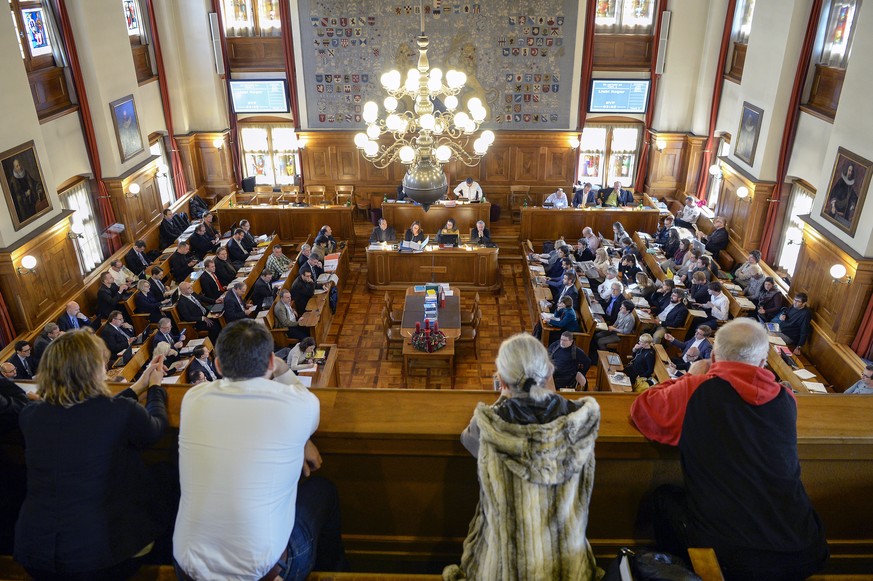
x,y
215,32
662,42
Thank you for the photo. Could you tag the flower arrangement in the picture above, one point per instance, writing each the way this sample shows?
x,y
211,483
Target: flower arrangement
x,y
428,339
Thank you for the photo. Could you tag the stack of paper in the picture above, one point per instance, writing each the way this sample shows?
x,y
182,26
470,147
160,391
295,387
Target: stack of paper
x,y
815,387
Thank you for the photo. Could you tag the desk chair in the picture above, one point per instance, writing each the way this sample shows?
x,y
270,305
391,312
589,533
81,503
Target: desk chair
x,y
263,189
392,333
291,193
343,193
394,315
470,335
315,195
468,316
518,196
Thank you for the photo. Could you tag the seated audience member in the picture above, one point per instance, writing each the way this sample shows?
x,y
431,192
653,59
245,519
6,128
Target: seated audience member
x,y
583,195
731,424
73,318
566,288
623,324
117,334
169,229
619,233
211,227
662,234
628,247
756,284
468,189
165,334
49,333
305,251
673,314
414,233
109,296
145,303
551,257
202,364
88,488
565,317
12,401
165,352
645,287
571,363
687,216
794,322
717,240
137,258
224,269
602,263
769,300
449,229
551,442
661,297
643,362
262,290
303,289
717,307
193,308
286,317
201,243
159,290
616,196
299,355
313,265
121,274
557,199
704,265
325,238
22,359
277,262
582,252
195,376
591,238
743,273
628,269
698,292
210,285
248,239
236,250
863,386
383,233
699,341
246,475
234,305
672,244
556,268
182,262
681,365
677,261
480,234
605,288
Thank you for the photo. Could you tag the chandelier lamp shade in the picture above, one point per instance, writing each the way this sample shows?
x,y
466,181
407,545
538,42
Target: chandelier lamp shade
x,y
424,137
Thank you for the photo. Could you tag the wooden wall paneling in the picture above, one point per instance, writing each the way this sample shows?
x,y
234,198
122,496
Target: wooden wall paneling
x,y
622,52
317,164
666,165
216,164
693,160
836,362
50,91
191,162
498,165
745,217
348,160
260,53
827,85
559,166
137,212
142,62
527,165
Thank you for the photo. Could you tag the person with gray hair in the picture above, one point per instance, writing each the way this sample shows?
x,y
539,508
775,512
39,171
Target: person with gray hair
x,y
49,333
736,430
605,288
535,453
305,251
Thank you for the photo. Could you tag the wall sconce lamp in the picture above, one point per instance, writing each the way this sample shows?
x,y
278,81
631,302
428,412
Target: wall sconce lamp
x,y
838,273
132,191
575,142
28,265
742,192
218,142
162,171
660,144
715,171
76,231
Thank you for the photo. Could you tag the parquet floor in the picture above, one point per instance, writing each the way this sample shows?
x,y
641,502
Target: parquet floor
x,y
357,329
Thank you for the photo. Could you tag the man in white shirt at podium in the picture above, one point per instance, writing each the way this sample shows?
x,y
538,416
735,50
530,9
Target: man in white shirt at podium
x,y
470,190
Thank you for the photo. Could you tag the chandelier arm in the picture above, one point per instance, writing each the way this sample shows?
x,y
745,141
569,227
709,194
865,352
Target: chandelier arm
x,y
386,155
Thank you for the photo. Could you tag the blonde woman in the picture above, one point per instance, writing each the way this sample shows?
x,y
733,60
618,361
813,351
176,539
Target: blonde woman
x,y
602,262
92,509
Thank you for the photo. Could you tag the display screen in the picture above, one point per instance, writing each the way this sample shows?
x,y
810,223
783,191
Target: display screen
x,y
259,96
619,96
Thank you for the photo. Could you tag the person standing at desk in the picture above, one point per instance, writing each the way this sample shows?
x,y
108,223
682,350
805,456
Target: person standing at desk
x,y
615,196
470,190
383,233
414,233
480,234
557,199
583,195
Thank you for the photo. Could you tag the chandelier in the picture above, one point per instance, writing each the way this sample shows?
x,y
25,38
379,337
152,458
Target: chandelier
x,y
425,137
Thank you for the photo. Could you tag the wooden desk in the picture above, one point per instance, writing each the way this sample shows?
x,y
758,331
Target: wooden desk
x,y
449,317
541,224
604,370
289,222
401,216
325,375
476,269
410,353
662,374
317,317
785,372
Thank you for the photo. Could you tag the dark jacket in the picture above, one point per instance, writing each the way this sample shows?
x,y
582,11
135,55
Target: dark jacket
x,y
796,324
39,346
108,299
169,231
642,364
133,261
625,198
225,271
717,241
677,316
179,266
386,235
12,401
21,372
705,347
476,239
418,238
771,301
147,305
66,323
234,308
260,290
580,199
88,489
188,310
201,245
115,339
208,286
196,365
567,362
236,252
301,293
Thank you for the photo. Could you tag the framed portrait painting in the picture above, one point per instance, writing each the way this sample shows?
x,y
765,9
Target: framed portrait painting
x,y
747,134
126,124
847,189
23,185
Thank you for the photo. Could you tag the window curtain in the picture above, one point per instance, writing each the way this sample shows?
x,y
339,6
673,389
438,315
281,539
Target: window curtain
x,y
51,28
587,63
624,16
145,24
104,205
839,32
706,161
769,240
238,17
745,9
643,161
178,172
863,343
78,199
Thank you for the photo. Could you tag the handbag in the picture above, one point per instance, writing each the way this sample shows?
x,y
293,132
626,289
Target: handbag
x,y
648,565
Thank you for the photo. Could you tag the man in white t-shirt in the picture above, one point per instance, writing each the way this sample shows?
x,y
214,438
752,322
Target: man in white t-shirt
x,y
470,190
687,216
246,512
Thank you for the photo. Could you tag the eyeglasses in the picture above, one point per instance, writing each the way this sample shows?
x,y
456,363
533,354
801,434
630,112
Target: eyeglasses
x,y
867,377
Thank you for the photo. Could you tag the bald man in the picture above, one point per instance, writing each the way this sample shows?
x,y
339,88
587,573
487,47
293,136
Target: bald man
x,y
73,318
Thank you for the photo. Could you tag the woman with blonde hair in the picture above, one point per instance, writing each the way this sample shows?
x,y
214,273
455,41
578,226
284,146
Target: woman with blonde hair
x,y
535,453
602,262
92,509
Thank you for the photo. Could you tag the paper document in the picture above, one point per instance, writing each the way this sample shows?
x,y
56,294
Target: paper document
x,y
815,387
804,374
776,340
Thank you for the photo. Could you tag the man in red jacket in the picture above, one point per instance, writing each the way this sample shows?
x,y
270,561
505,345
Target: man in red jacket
x,y
736,429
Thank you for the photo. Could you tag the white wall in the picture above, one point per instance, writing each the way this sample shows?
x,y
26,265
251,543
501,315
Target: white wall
x,y
710,48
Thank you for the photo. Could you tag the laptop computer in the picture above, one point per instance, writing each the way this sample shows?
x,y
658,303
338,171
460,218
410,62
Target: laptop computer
x,y
448,239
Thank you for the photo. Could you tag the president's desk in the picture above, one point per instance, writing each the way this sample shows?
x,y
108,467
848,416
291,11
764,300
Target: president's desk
x,y
289,222
541,224
400,216
470,268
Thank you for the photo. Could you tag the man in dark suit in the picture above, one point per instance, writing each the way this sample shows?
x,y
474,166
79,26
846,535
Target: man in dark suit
x,y
717,239
583,195
234,307
165,334
613,304
169,230
383,233
567,289
210,285
22,359
201,243
314,266
109,296
224,270
699,341
12,401
262,289
302,290
182,262
201,362
305,251
622,197
192,308
480,234
73,318
236,250
248,239
117,334
158,290
136,258
325,237
49,333
673,314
